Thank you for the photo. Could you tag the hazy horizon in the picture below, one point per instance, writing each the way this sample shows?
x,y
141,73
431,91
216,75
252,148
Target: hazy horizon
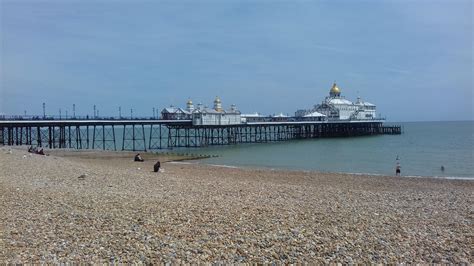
x,y
413,59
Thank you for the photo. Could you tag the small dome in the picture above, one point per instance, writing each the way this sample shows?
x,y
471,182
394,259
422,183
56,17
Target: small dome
x,y
335,89
217,100
190,102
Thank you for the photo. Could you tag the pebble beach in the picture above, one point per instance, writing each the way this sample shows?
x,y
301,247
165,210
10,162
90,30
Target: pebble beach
x,y
101,207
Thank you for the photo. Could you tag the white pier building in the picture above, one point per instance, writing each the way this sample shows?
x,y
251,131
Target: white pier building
x,y
336,107
217,115
202,115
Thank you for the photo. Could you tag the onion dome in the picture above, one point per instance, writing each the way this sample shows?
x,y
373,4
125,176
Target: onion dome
x,y
335,91
217,104
190,106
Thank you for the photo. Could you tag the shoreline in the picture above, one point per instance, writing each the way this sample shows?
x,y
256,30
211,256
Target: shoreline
x,y
198,162
197,159
101,209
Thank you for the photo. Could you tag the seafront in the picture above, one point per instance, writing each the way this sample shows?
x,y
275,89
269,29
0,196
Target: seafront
x,y
103,207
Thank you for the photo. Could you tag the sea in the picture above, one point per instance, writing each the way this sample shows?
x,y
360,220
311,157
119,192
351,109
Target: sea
x,y
422,149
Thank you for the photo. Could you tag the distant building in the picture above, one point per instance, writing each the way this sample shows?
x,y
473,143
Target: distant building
x,y
336,107
279,118
366,110
203,116
314,116
175,113
216,116
255,117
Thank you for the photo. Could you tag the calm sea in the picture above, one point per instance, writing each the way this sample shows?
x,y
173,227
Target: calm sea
x,y
423,148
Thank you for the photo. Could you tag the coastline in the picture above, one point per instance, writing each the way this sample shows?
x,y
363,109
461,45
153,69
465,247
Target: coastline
x,y
124,212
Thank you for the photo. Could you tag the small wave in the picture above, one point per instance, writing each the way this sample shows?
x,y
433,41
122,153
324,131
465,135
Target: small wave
x,y
443,177
215,165
180,162
224,166
416,176
458,178
369,174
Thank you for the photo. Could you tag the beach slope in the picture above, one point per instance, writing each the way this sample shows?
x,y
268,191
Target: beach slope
x,y
96,208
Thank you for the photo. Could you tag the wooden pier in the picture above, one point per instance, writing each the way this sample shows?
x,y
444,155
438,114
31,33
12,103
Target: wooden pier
x,y
168,134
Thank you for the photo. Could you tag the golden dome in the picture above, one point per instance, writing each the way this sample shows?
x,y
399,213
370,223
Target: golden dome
x,y
217,100
190,102
335,89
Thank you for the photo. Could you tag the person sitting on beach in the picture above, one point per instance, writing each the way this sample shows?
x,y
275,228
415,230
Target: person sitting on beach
x,y
30,149
41,152
138,158
156,167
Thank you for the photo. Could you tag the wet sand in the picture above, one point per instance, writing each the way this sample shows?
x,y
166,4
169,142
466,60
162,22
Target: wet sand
x,y
121,211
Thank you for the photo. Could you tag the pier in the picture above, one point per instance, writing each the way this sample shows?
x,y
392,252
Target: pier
x,y
142,135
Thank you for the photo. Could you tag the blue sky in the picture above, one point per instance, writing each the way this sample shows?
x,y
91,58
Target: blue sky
x,y
414,59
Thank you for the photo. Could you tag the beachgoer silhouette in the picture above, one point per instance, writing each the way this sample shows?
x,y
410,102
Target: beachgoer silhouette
x,y
156,167
398,169
442,168
138,158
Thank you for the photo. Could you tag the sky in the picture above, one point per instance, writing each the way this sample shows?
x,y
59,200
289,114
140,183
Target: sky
x,y
413,59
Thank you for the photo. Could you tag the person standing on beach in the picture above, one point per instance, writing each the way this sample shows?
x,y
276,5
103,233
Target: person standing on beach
x,y
397,170
398,167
